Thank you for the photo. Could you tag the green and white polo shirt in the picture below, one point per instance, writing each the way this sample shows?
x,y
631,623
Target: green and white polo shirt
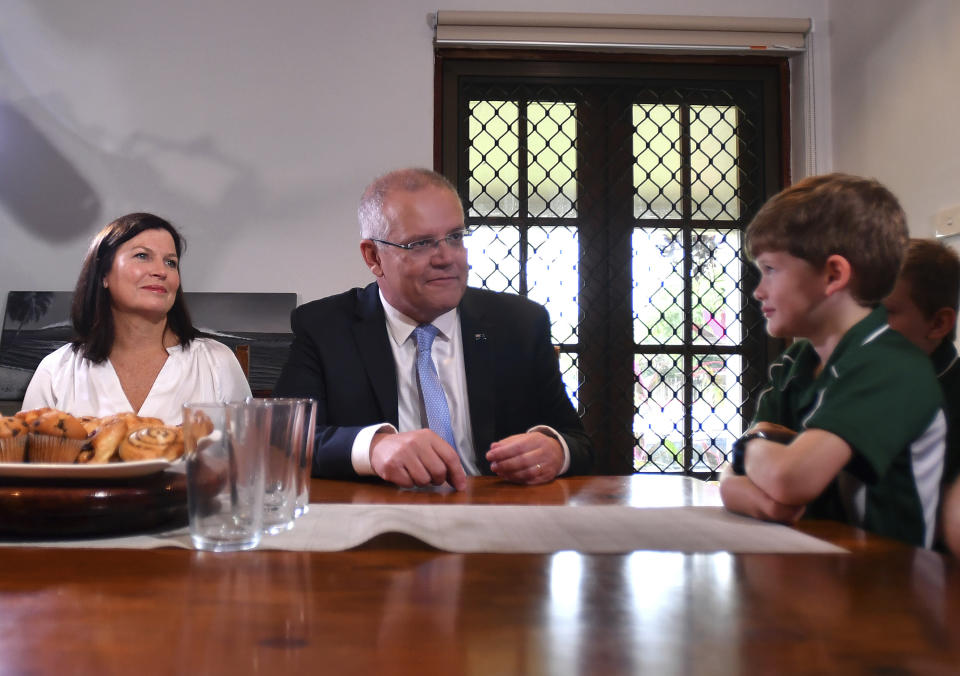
x,y
878,393
946,363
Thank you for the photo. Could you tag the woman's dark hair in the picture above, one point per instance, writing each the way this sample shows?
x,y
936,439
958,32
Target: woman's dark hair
x,y
91,312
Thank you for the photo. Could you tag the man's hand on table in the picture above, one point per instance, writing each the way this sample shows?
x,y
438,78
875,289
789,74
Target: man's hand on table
x,y
530,458
418,458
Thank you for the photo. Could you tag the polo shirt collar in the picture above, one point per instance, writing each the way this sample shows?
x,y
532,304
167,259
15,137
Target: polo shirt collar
x,y
944,358
861,333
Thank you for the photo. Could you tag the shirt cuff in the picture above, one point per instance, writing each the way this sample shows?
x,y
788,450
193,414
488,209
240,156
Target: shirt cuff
x,y
360,452
550,432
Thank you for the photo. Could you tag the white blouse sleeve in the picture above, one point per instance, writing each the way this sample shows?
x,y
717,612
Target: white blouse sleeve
x,y
42,391
39,392
231,385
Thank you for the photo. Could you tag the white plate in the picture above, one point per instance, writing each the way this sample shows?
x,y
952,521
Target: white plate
x,y
112,470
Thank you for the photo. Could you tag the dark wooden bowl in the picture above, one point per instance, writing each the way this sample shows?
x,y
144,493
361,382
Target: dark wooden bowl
x,y
50,508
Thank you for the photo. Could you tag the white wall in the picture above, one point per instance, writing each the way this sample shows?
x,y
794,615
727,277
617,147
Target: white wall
x,y
895,69
252,125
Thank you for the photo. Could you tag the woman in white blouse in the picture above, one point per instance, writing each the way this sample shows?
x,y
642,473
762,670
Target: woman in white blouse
x,y
136,348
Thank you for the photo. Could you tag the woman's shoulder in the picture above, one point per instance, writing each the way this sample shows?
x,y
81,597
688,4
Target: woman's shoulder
x,y
216,358
60,358
208,348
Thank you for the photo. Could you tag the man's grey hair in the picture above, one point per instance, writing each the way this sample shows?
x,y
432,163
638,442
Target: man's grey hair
x,y
373,223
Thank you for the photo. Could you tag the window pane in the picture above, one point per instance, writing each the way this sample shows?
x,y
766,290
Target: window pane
x,y
713,161
717,301
570,372
494,171
492,255
658,421
718,395
656,168
681,157
657,286
553,279
552,158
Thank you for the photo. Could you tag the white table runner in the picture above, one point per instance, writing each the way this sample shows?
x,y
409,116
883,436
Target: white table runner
x,y
511,529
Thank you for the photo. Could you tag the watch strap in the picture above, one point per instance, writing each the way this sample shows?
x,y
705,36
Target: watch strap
x,y
738,455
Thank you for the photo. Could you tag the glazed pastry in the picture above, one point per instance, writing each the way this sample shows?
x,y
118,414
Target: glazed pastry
x,y
151,443
90,423
135,422
197,427
106,440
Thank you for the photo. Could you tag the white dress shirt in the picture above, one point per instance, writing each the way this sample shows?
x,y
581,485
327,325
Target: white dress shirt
x,y
204,371
447,354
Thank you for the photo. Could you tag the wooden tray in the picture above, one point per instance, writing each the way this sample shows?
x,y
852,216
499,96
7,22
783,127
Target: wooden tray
x,y
47,508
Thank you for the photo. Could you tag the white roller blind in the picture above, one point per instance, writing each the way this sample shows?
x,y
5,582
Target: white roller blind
x,y
565,30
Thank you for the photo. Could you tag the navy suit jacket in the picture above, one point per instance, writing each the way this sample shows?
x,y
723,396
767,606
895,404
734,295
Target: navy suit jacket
x,y
341,356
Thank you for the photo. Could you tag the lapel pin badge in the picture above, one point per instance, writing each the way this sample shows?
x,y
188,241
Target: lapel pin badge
x,y
479,336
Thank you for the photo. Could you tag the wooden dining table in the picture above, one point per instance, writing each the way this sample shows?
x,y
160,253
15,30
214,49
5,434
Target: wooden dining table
x,y
397,606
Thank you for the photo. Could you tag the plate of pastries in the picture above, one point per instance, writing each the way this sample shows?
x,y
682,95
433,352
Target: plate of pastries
x,y
49,443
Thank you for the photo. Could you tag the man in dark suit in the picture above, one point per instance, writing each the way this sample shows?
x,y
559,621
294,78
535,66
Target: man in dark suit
x,y
503,407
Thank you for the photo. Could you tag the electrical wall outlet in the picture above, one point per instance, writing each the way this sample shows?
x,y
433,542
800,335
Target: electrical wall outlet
x,y
948,222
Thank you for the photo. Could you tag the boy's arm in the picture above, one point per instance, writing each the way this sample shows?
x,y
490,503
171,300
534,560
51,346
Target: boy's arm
x,y
741,495
796,473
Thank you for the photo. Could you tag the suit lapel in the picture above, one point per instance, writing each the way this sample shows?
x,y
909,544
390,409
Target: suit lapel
x,y
370,332
478,364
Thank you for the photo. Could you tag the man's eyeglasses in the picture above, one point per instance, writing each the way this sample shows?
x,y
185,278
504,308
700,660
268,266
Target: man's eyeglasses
x,y
454,240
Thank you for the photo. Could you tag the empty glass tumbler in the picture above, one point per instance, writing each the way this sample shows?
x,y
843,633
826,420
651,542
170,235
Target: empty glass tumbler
x,y
225,473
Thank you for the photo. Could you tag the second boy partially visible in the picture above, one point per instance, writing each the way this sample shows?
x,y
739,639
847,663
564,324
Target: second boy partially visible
x,y
850,426
923,307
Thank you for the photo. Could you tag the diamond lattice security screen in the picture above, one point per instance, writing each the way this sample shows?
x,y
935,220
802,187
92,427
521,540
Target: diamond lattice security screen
x,y
619,201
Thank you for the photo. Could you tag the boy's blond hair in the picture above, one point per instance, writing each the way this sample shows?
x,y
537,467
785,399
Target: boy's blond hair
x,y
837,214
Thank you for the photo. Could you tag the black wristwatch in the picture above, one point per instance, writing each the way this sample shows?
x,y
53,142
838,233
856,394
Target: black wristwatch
x,y
738,452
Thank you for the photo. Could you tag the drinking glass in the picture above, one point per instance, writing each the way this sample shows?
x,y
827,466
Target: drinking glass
x,y
281,462
305,468
223,445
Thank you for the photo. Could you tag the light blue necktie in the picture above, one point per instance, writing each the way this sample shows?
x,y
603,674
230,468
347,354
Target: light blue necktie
x,y
434,400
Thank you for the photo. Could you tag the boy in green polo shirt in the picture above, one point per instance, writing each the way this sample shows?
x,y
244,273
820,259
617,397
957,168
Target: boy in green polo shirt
x,y
923,307
850,426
